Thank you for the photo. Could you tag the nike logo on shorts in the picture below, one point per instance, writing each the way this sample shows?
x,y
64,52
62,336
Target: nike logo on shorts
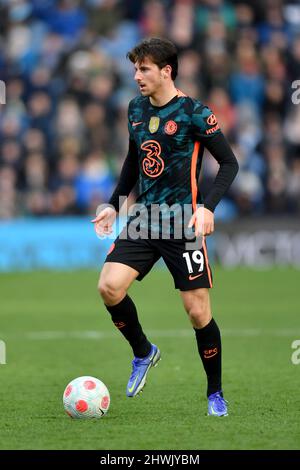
x,y
191,278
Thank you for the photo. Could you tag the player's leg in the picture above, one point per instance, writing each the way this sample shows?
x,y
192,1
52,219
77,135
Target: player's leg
x,y
137,258
208,337
115,279
192,275
197,305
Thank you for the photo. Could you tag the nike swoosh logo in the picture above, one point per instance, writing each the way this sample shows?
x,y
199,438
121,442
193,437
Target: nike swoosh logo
x,y
133,385
136,123
191,278
153,354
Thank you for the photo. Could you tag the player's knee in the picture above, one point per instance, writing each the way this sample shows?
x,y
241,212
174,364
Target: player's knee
x,y
109,291
199,315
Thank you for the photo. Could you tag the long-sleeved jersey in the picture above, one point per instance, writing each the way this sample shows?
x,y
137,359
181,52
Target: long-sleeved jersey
x,y
166,147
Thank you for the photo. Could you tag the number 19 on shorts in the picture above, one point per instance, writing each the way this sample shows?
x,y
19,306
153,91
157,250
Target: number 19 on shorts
x,y
195,257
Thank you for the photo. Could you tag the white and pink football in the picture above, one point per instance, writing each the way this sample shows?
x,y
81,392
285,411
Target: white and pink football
x,y
86,397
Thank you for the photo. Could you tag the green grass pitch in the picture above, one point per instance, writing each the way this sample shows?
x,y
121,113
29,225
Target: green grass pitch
x,y
55,329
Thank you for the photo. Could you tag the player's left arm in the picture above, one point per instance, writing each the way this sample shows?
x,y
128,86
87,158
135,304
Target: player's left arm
x,y
209,134
222,152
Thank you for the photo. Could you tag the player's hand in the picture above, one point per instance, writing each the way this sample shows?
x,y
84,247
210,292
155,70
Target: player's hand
x,y
203,220
104,221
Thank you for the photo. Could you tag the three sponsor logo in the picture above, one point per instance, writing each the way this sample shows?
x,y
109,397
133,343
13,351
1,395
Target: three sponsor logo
x,y
153,164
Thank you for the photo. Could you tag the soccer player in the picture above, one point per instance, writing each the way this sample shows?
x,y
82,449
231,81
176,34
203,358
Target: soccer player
x,y
168,132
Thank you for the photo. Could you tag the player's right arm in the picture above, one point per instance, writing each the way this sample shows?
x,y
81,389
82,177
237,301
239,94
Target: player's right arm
x,y
128,178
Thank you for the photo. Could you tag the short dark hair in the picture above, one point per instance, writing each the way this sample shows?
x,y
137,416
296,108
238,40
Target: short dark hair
x,y
161,51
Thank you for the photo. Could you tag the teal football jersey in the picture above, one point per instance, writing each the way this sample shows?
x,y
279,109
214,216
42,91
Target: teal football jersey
x,y
170,141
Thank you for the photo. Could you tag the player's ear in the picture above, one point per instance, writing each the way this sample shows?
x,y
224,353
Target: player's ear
x,y
166,70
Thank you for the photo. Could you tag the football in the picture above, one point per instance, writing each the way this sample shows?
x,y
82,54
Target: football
x,y
86,397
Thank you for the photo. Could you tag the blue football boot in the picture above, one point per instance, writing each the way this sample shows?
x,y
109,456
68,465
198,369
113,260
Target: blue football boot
x,y
140,369
217,405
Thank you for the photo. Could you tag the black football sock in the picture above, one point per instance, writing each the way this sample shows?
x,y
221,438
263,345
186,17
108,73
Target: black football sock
x,y
124,316
209,347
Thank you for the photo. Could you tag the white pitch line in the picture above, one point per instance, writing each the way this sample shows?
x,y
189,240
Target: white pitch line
x,y
103,335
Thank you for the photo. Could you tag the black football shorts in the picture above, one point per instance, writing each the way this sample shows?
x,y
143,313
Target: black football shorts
x,y
189,267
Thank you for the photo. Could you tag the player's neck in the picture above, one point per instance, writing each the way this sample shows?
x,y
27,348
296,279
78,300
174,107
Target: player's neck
x,y
164,95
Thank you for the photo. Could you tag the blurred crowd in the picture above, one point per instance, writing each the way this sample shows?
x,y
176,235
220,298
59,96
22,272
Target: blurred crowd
x,y
63,127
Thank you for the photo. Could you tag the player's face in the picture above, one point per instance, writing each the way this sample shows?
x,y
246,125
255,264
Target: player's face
x,y
149,77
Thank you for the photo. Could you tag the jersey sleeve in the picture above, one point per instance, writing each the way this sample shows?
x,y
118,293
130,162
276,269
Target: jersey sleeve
x,y
207,130
128,177
222,152
130,170
204,123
